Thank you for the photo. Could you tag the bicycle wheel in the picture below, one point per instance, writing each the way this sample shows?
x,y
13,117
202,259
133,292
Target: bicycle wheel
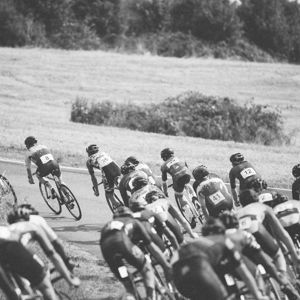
x,y
70,202
188,213
198,208
6,191
114,206
53,204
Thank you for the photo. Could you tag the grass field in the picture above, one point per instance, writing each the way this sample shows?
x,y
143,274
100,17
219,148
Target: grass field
x,y
39,85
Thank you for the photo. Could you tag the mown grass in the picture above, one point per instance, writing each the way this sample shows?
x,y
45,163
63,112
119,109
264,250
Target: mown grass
x,y
39,85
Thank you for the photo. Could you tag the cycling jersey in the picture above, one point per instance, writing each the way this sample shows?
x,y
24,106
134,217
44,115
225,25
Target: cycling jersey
x,y
216,195
43,159
118,242
255,218
125,185
288,213
296,189
110,170
244,172
178,171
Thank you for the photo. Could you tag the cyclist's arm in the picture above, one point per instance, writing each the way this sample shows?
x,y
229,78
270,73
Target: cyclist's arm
x,y
28,166
281,234
233,186
164,178
93,176
296,191
184,223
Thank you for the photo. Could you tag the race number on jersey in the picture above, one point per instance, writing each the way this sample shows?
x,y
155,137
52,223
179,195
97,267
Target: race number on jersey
x,y
46,158
265,197
247,172
217,197
172,162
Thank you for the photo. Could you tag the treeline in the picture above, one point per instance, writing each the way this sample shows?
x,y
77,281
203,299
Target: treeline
x,y
189,114
254,30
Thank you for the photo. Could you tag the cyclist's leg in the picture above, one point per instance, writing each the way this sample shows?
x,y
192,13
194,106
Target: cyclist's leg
x,y
178,186
46,288
109,187
175,228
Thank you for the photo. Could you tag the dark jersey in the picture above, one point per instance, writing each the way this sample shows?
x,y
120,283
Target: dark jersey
x,y
128,226
174,167
245,173
296,189
40,155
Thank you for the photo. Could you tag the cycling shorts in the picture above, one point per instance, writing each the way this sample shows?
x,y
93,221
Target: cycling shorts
x,y
180,182
51,167
22,262
266,241
195,279
109,175
116,247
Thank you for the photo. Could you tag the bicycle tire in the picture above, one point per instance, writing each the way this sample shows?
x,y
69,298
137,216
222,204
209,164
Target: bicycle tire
x,y
111,206
53,204
198,208
10,188
188,215
66,192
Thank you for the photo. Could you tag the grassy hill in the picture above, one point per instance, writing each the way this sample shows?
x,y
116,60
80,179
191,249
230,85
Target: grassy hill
x,y
39,85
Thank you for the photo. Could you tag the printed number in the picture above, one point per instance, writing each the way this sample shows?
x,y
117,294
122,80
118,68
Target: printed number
x,y
123,272
245,223
247,173
104,160
172,162
45,158
116,225
265,197
217,197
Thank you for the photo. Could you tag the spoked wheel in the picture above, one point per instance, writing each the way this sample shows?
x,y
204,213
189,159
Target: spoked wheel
x,y
198,208
52,203
187,212
117,203
71,202
7,192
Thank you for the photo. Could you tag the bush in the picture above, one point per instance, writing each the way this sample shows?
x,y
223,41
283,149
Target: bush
x,y
190,114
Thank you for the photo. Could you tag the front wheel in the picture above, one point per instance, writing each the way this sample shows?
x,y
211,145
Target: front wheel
x,y
7,192
70,202
52,203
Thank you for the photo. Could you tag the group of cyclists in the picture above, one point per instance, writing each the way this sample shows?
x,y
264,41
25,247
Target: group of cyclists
x,y
244,230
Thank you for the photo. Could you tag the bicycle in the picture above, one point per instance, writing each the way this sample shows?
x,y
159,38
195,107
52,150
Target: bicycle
x,y
111,205
194,212
7,191
63,196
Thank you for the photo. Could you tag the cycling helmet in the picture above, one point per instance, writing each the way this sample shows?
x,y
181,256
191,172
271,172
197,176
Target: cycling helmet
x,y
237,158
122,211
138,183
30,141
200,172
138,205
296,170
92,149
257,184
229,219
213,226
127,168
248,196
18,214
133,160
166,153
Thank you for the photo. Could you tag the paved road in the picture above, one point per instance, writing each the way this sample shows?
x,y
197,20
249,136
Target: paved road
x,y
84,233
95,213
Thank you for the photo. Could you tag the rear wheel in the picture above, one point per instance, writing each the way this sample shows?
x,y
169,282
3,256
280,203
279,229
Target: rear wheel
x,y
8,198
114,206
186,211
52,203
70,202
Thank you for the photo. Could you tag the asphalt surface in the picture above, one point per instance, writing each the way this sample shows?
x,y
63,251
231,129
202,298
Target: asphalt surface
x,y
84,233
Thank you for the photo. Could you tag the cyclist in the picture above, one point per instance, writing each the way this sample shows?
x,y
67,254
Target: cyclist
x,y
157,202
41,156
129,172
243,171
156,227
246,244
143,167
212,192
296,183
200,265
25,212
118,242
260,220
179,173
29,266
110,172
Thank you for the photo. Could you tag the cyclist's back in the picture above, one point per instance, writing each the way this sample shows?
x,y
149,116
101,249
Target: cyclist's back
x,y
296,183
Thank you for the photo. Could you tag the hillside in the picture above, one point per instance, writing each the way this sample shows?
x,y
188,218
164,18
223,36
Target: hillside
x,y
39,85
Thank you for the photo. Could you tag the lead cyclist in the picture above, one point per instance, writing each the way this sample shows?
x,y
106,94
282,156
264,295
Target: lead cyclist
x,y
41,156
